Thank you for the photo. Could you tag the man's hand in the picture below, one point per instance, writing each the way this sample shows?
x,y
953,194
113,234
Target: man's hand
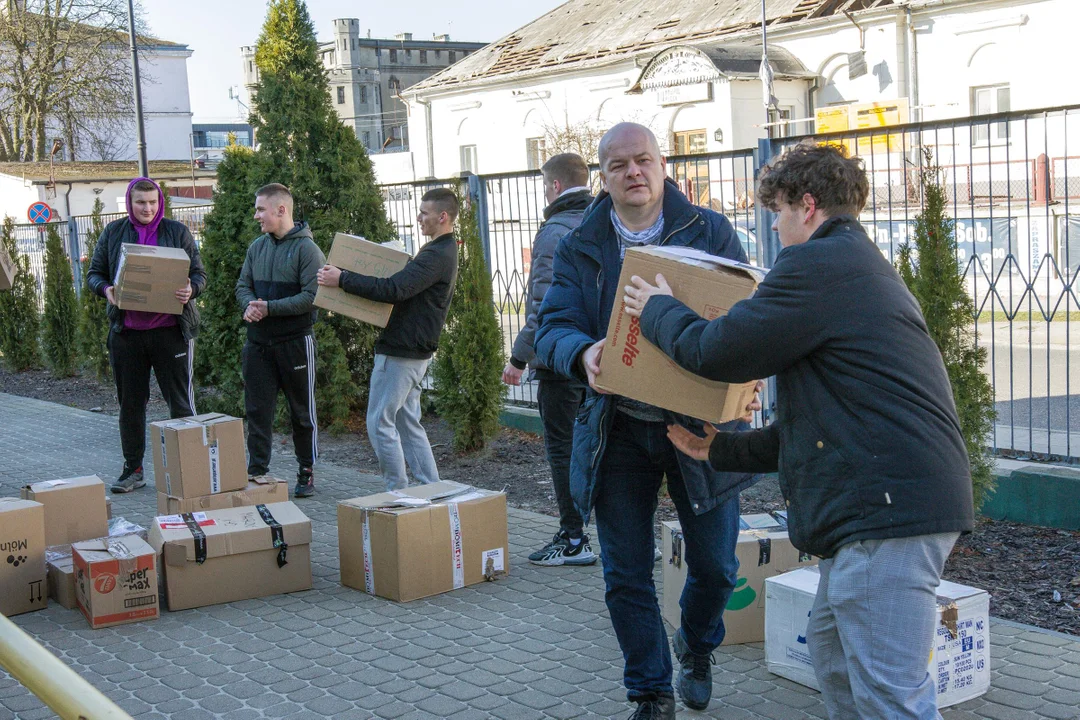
x,y
511,375
590,360
184,293
755,403
329,276
110,295
256,311
690,444
639,293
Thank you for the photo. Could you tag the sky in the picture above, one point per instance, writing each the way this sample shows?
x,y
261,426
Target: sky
x,y
215,29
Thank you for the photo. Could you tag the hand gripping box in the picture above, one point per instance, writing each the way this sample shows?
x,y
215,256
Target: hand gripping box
x,y
358,255
22,556
116,580
763,550
199,455
423,540
633,367
221,556
148,276
260,491
959,662
74,508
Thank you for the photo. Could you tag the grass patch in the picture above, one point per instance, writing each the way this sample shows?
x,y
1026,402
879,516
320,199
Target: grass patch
x,y
1024,316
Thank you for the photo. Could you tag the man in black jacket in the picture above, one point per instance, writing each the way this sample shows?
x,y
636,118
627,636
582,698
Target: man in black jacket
x,y
420,293
566,180
276,292
141,341
867,442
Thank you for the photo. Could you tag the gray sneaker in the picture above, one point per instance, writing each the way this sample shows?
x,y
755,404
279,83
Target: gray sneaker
x,y
130,479
661,708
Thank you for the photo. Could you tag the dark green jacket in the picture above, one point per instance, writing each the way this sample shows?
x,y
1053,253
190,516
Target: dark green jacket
x,y
282,272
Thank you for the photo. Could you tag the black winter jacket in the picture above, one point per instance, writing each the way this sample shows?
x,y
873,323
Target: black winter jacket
x,y
420,292
866,439
103,266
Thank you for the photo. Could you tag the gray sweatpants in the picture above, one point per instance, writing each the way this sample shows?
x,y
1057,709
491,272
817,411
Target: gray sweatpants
x,y
871,629
393,421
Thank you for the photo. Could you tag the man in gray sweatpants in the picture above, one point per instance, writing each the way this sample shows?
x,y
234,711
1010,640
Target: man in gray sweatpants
x,y
420,293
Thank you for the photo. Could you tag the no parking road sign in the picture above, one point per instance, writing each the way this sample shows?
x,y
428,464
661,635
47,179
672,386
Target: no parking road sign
x,y
39,213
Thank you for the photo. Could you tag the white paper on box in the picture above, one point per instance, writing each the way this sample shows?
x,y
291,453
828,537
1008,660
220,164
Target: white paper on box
x,y
496,557
455,546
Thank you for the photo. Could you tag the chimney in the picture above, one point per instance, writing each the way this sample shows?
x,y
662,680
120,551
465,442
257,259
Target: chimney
x,y
405,37
445,37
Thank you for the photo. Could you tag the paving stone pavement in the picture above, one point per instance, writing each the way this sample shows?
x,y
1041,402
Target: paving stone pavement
x,y
537,644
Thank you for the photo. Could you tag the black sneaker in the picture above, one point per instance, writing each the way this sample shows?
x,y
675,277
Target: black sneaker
x,y
305,483
560,551
130,479
694,682
661,708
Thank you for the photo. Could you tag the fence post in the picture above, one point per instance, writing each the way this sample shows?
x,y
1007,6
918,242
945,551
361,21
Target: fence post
x,y
768,243
73,255
478,194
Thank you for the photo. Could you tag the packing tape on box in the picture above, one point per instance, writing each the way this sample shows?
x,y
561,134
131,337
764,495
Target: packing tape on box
x,y
277,533
369,579
764,551
456,554
199,535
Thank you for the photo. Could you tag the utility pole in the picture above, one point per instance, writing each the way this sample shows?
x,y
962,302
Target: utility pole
x,y
143,169
766,73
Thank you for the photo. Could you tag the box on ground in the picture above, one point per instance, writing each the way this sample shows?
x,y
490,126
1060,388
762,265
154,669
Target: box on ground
x,y
75,508
421,541
148,276
635,368
763,549
23,585
199,455
960,660
221,556
116,580
260,491
61,572
7,269
358,255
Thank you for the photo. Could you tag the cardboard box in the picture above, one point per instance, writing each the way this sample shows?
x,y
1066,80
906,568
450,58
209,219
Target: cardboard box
x,y
959,662
221,556
358,255
61,573
764,550
633,367
74,508
116,580
22,556
7,268
108,507
423,540
148,276
200,455
262,491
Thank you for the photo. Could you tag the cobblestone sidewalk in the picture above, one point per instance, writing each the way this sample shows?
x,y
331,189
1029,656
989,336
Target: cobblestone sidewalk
x,y
537,644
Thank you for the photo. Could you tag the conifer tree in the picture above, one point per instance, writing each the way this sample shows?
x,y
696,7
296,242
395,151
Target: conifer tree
x,y
19,317
167,213
931,271
469,391
93,316
61,318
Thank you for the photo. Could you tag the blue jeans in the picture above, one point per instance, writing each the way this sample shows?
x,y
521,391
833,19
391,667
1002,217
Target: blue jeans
x,y
637,458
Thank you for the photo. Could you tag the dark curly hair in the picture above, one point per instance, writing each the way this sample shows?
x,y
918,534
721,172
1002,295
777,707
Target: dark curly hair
x,y
837,182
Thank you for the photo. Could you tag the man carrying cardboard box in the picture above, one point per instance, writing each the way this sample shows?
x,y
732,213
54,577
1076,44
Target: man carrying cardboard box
x,y
867,442
141,341
620,452
566,180
420,293
276,289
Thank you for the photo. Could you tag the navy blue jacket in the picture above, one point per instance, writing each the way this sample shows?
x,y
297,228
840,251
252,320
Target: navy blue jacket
x,y
575,314
866,439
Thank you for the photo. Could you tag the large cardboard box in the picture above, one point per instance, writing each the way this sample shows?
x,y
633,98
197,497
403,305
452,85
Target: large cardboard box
x,y
22,556
7,269
635,368
763,549
358,255
148,276
261,491
116,580
959,662
423,540
221,556
61,571
200,455
74,508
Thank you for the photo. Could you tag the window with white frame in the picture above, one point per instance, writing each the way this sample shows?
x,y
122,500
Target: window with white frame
x,y
535,152
988,100
468,159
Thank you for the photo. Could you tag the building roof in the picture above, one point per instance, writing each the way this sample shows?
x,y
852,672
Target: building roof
x,y
585,33
38,172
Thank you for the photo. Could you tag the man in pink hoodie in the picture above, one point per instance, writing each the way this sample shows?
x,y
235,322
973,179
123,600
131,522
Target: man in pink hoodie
x,y
141,341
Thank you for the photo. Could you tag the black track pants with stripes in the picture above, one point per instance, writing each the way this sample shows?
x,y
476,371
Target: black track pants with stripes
x,y
288,366
133,353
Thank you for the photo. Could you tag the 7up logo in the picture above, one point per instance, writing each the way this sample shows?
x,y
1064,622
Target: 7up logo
x,y
743,596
